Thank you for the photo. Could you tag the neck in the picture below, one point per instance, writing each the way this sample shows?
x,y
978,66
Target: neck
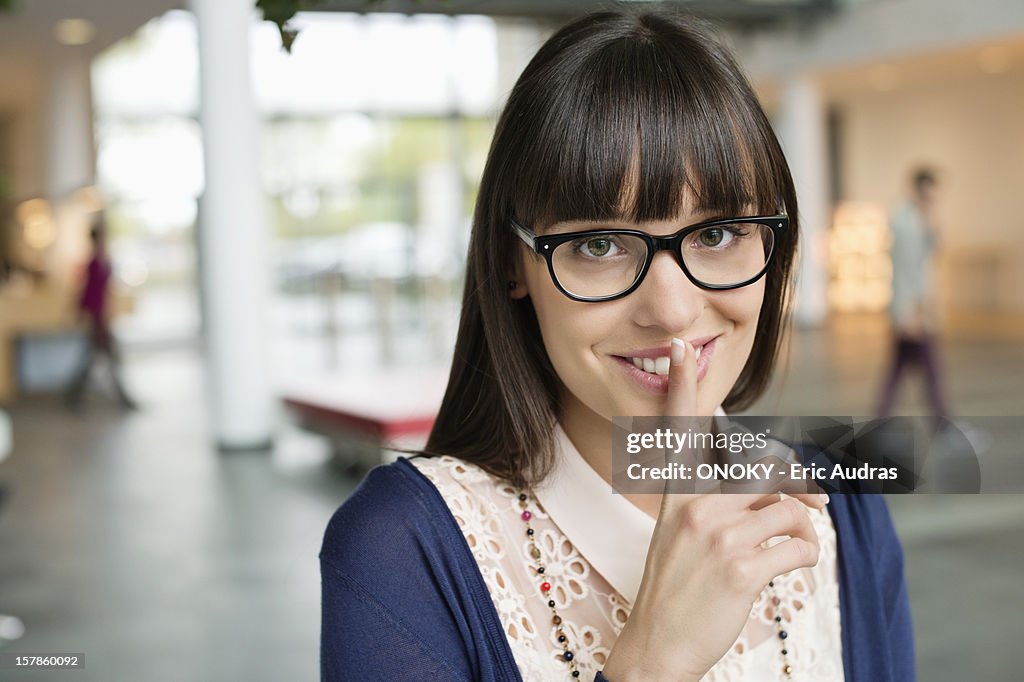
x,y
592,435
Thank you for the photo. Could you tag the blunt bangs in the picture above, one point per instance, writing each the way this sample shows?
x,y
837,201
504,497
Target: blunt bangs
x,y
641,118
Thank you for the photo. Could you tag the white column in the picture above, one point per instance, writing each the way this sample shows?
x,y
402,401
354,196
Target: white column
x,y
70,153
70,156
802,131
233,231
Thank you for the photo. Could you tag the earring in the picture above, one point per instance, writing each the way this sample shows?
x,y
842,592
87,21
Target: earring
x,y
511,284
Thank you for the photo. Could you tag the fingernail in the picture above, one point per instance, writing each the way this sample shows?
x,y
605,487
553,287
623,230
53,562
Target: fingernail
x,y
678,350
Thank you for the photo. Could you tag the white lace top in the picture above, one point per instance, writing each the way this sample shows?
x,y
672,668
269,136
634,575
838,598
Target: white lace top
x,y
594,546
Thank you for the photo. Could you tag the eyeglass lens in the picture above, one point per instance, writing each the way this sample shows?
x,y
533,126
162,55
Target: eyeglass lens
x,y
608,264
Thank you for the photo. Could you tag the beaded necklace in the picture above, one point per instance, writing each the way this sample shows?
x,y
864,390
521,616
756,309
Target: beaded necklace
x,y
545,587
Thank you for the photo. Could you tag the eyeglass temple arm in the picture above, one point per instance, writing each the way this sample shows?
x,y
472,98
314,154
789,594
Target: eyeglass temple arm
x,y
525,235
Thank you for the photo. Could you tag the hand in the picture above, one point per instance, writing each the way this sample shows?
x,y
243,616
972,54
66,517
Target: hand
x,y
706,566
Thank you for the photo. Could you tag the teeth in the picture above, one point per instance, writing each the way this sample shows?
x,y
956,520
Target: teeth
x,y
658,365
652,365
661,366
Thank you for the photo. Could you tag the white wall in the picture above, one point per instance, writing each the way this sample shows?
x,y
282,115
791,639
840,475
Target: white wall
x,y
969,126
973,131
876,30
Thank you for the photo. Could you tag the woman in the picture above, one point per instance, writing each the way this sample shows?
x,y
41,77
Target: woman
x,y
500,552
93,306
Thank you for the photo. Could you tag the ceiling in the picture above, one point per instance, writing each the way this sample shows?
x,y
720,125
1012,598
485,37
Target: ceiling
x,y
29,27
27,40
737,12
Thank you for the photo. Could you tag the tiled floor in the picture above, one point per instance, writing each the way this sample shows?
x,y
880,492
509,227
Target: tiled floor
x,y
130,539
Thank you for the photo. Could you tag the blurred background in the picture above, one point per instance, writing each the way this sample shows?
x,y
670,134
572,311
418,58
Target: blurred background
x,y
286,232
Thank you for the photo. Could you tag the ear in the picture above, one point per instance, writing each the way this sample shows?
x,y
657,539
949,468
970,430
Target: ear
x,y
519,290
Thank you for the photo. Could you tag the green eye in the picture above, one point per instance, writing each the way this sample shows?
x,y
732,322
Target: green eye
x,y
711,237
602,247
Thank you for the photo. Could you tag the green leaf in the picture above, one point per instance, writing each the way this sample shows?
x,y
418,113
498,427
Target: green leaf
x,y
280,12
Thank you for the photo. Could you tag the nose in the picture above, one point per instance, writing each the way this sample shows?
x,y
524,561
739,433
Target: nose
x,y
667,298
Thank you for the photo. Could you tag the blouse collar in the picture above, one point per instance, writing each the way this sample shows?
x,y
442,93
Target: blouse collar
x,y
608,530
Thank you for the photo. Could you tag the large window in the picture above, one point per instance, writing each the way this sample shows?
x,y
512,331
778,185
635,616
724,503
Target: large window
x,y
375,130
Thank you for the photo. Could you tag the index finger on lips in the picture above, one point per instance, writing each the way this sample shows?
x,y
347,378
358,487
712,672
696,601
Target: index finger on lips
x,y
682,380
681,401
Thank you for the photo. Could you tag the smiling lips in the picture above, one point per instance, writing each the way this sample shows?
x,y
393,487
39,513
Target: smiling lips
x,y
649,367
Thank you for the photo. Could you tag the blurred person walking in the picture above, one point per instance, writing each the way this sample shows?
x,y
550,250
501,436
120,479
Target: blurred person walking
x,y
93,310
912,309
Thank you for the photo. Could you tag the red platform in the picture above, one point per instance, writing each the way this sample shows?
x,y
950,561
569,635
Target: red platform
x,y
362,413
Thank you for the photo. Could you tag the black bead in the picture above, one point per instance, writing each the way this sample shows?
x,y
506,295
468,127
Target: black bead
x,y
561,638
540,569
575,673
567,655
778,619
783,634
771,583
551,603
522,496
784,652
529,531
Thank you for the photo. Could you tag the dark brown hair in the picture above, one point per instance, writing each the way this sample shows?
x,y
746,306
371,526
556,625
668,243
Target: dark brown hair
x,y
618,116
98,227
923,176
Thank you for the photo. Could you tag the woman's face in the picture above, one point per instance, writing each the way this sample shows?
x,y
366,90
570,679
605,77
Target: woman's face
x,y
591,345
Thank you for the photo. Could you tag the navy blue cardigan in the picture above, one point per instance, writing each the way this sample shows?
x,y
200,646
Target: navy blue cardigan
x,y
403,598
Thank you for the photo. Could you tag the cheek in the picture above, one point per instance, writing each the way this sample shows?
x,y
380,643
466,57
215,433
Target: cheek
x,y
570,330
742,307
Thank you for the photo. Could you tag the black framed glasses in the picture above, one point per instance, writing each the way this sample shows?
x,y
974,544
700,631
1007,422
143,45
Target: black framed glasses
x,y
603,265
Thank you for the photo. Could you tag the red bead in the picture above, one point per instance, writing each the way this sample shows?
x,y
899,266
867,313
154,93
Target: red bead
x,y
527,515
545,586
